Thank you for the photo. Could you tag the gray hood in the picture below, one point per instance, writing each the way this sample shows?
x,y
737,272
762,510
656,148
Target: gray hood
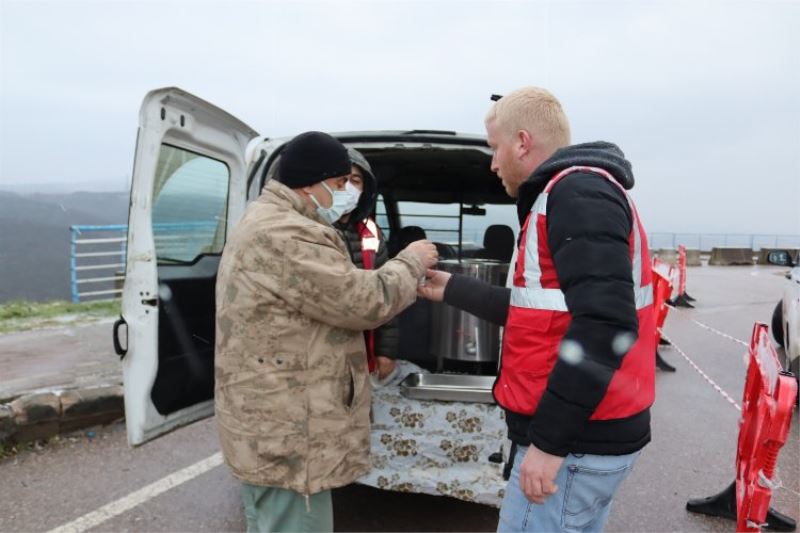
x,y
366,203
600,154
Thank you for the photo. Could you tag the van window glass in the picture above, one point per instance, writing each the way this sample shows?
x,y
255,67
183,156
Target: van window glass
x,y
440,221
381,218
190,204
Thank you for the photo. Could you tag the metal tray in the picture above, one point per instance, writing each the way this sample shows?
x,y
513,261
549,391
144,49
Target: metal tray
x,y
448,387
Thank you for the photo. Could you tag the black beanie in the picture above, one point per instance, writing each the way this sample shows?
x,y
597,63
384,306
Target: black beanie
x,y
311,157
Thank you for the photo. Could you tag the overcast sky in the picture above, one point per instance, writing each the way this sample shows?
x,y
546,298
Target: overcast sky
x,y
703,97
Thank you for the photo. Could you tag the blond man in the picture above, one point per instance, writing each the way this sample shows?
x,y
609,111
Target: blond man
x,y
577,369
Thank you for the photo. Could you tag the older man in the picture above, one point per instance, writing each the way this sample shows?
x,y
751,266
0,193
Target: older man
x,y
577,370
292,392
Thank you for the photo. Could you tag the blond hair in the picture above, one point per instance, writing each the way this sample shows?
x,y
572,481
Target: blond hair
x,y
534,110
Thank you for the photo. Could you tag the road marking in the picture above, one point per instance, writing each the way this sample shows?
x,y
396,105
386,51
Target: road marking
x,y
705,376
126,503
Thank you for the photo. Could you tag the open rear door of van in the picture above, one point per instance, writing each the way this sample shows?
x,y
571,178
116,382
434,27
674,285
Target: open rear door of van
x,y
189,189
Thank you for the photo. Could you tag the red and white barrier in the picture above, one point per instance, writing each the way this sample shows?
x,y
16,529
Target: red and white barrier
x,y
769,396
682,299
767,404
662,289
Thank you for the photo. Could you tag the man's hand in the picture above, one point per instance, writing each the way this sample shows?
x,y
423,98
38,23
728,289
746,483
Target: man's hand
x,y
537,474
386,366
433,288
426,251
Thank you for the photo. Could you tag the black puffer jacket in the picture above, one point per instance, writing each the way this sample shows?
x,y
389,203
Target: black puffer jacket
x,y
387,340
387,337
588,225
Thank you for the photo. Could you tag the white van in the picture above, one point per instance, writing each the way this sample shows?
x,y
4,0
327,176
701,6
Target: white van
x,y
195,169
786,316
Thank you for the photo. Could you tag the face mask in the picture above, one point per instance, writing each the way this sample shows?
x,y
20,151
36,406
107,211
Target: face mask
x,y
339,205
355,194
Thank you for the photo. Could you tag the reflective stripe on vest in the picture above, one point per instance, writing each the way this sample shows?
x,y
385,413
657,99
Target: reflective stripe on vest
x,y
538,318
370,241
532,294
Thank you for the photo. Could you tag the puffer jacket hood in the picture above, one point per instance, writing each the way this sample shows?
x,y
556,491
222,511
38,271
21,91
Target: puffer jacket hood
x,y
366,202
605,155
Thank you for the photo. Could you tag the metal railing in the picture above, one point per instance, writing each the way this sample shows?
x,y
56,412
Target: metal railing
x,y
98,253
97,261
706,241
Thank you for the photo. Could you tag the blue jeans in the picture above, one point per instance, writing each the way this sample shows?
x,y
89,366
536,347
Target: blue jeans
x,y
586,486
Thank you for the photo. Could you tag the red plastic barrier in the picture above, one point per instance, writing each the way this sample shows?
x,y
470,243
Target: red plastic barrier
x,y
769,396
682,269
662,289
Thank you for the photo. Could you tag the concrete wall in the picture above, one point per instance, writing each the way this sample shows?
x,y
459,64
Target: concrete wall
x,y
729,255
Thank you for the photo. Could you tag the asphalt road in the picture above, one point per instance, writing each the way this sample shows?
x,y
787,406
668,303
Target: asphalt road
x,y
692,453
84,356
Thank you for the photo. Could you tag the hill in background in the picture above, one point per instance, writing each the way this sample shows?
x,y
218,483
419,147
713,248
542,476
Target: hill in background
x,y
34,238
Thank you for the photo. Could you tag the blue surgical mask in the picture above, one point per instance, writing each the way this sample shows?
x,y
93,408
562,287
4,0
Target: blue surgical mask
x,y
340,205
355,194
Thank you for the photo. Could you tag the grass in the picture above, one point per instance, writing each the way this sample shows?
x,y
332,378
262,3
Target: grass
x,y
20,315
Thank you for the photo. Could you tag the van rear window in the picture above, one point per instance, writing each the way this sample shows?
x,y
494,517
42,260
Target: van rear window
x,y
190,205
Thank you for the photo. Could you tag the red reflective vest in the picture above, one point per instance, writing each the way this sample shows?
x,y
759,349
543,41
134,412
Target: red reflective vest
x,y
370,242
538,318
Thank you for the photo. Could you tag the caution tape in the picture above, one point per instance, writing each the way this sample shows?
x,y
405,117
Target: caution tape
x,y
720,333
714,330
700,371
778,485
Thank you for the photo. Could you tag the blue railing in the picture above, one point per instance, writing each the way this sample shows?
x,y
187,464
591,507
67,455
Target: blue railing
x,y
98,253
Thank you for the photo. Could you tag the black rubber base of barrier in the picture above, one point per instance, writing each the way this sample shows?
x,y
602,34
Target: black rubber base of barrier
x,y
664,342
681,301
723,505
661,364
686,295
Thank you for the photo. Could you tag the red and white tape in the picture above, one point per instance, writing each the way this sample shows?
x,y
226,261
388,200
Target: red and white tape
x,y
700,371
714,330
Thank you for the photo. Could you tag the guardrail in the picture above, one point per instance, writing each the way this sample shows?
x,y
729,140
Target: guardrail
x,y
97,261
706,241
98,254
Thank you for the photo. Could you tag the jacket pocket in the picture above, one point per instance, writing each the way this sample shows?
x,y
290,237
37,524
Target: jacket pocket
x,y
591,487
357,381
529,343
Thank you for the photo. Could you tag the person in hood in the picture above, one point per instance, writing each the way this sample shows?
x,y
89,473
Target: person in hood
x,y
577,373
368,250
292,394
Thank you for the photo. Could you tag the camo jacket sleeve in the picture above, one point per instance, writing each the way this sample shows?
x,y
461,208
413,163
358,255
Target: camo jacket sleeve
x,y
319,280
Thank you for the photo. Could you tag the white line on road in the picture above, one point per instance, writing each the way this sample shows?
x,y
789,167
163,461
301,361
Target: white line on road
x,y
126,503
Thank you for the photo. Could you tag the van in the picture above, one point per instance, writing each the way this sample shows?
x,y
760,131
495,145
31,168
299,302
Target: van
x,y
196,167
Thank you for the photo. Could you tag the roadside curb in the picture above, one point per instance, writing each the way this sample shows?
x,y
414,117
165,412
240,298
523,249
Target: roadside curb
x,y
44,414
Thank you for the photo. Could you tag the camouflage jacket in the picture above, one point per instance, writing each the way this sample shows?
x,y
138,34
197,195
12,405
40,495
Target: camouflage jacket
x,y
292,396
